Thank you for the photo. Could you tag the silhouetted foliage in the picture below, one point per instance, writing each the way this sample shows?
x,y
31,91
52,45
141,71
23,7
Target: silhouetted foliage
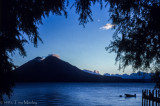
x,y
83,8
19,21
136,40
6,83
18,25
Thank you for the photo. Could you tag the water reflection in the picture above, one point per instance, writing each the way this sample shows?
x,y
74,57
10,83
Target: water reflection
x,y
51,99
83,94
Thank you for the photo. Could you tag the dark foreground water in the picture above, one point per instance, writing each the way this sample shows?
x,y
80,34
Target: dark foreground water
x,y
81,94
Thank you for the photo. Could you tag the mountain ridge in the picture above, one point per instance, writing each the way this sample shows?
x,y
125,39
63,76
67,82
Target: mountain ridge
x,y
53,69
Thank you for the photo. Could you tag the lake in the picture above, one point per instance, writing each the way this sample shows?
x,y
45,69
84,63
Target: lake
x,y
83,94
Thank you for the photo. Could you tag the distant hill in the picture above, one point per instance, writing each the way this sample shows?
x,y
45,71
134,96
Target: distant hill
x,y
92,72
139,76
53,69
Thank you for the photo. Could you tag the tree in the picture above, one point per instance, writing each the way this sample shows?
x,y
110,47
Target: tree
x,y
19,18
136,40
18,22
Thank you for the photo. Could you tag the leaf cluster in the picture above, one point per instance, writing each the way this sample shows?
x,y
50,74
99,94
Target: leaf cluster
x,y
136,40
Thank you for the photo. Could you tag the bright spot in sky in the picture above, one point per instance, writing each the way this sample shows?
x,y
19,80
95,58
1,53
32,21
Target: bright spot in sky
x,y
107,26
56,55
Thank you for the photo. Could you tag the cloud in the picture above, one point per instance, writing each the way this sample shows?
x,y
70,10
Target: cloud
x,y
56,55
107,26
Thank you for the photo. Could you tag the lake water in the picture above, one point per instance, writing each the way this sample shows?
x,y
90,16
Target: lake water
x,y
83,94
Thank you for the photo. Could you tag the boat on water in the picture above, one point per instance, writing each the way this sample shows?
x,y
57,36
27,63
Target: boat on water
x,y
130,95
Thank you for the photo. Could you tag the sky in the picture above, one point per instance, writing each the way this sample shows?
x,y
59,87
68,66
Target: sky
x,y
83,47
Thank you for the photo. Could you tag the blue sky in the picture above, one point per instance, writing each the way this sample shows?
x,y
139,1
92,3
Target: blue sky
x,y
82,47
